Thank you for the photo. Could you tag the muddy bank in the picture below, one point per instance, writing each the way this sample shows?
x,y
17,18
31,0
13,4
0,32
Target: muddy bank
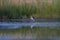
x,y
29,20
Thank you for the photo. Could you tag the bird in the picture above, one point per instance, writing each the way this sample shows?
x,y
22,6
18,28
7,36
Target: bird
x,y
32,18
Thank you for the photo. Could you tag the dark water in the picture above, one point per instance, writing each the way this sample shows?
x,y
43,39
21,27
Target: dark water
x,y
13,25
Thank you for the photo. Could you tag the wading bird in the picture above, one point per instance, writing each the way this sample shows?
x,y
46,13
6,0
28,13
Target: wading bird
x,y
32,18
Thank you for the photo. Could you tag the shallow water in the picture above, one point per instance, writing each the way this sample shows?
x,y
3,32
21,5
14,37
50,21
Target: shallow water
x,y
13,25
11,38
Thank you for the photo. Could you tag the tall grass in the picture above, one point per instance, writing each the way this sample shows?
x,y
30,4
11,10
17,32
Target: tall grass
x,y
26,10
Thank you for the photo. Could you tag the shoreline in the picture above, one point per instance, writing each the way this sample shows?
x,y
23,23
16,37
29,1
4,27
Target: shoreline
x,y
29,20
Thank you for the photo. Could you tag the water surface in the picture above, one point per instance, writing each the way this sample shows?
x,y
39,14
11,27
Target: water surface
x,y
13,25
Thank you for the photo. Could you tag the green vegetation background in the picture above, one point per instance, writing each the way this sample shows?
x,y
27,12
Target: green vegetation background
x,y
25,10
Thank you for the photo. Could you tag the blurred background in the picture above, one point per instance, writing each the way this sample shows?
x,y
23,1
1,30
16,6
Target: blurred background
x,y
44,10
26,8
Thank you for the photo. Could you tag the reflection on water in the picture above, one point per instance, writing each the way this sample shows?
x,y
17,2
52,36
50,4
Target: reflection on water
x,y
8,25
8,37
12,25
